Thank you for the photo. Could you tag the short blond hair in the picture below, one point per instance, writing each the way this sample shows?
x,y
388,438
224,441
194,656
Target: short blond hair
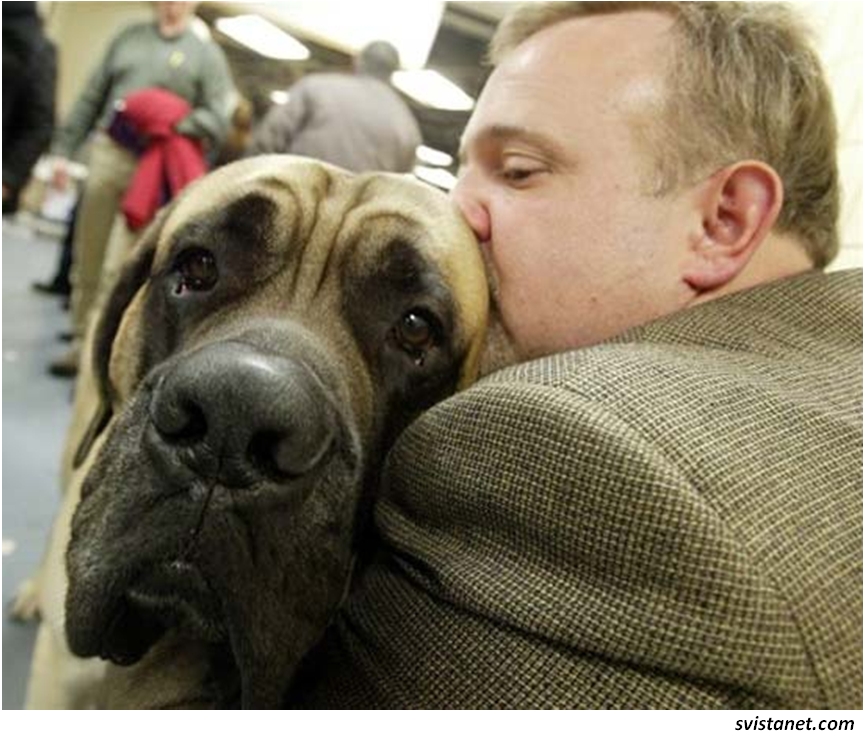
x,y
748,85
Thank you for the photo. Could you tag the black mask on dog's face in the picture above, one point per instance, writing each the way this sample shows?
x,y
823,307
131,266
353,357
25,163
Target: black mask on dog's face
x,y
239,435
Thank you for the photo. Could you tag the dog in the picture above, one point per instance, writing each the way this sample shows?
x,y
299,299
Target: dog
x,y
272,333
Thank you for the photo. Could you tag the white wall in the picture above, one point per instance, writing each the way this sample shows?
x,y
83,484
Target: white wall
x,y
838,28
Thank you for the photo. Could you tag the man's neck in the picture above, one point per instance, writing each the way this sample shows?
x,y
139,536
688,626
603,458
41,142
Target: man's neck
x,y
171,31
778,257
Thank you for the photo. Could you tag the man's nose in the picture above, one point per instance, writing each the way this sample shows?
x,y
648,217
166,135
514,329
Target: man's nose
x,y
473,208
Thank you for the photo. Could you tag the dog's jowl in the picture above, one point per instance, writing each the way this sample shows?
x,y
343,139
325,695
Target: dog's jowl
x,y
272,333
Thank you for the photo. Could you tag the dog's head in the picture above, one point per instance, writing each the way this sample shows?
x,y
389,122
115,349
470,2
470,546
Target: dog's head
x,y
274,330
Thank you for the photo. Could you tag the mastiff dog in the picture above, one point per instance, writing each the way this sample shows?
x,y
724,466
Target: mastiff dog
x,y
272,333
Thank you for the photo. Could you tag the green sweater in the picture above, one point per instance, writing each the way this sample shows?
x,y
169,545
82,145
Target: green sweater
x,y
138,58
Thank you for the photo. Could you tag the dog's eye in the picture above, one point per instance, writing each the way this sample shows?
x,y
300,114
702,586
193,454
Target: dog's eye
x,y
416,333
197,271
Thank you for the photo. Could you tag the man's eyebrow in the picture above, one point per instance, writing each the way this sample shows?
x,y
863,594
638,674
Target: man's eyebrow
x,y
500,133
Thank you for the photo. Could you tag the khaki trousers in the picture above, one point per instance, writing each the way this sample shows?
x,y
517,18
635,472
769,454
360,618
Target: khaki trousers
x,y
101,238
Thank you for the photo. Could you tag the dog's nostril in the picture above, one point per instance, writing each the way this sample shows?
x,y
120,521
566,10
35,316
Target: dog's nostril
x,y
285,456
179,422
262,452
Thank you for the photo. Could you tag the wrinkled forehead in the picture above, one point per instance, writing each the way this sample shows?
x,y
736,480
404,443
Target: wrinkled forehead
x,y
300,188
330,208
297,183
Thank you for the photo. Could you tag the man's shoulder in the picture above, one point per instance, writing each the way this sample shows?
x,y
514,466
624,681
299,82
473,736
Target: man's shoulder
x,y
147,30
688,395
139,35
137,29
344,82
810,318
202,42
319,85
324,79
826,306
756,355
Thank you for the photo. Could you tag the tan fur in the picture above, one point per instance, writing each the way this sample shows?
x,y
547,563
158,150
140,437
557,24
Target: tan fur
x,y
329,211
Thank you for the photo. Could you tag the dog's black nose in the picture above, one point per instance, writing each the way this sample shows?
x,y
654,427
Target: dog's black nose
x,y
233,413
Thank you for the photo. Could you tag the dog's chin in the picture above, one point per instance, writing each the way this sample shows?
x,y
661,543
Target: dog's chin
x,y
170,595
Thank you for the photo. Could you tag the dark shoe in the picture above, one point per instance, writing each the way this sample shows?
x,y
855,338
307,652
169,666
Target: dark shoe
x,y
67,365
51,288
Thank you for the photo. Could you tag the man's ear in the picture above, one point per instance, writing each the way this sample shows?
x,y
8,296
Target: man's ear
x,y
739,205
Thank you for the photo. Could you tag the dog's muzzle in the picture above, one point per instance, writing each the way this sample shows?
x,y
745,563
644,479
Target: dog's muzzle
x,y
236,416
230,463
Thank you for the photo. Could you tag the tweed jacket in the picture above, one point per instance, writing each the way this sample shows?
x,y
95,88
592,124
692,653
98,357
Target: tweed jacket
x,y
672,519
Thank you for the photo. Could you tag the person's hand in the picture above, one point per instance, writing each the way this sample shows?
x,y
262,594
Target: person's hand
x,y
60,175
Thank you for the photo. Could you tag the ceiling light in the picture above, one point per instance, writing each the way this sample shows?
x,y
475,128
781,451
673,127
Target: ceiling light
x,y
263,37
438,177
279,97
432,89
349,25
433,156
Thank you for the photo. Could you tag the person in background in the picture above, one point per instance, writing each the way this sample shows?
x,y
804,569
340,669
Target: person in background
x,y
356,121
662,506
29,81
60,283
239,134
166,54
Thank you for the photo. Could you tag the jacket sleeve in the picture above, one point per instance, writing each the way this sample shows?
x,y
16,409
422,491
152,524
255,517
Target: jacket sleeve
x,y
88,107
275,133
538,552
35,122
211,115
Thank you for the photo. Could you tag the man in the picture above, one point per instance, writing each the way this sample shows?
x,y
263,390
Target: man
x,y
29,76
665,510
356,121
167,54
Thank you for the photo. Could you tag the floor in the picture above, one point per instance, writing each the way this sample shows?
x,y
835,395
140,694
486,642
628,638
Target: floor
x,y
36,411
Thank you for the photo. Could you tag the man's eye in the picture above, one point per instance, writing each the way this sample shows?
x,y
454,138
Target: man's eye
x,y
518,175
197,271
518,169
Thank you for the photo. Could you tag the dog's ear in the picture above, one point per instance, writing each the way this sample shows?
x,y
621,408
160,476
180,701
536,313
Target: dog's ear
x,y
132,277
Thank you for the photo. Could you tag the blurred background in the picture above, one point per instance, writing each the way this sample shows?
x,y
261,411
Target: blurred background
x,y
269,47
442,45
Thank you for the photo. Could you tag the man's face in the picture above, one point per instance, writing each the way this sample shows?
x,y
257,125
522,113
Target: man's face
x,y
173,18
559,193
